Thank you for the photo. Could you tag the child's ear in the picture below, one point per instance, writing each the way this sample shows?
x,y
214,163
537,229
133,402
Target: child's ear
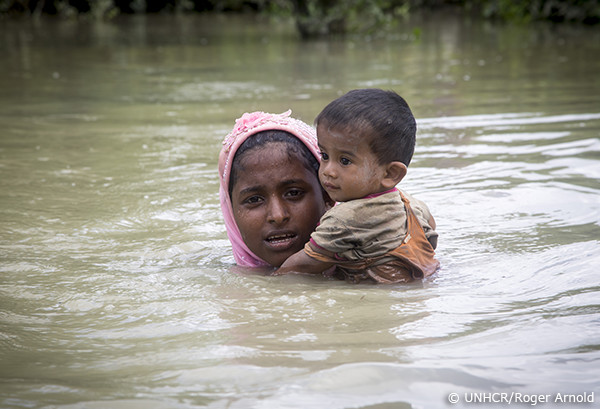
x,y
394,173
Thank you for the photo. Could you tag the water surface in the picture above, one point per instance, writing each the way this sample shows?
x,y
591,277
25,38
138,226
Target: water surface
x,y
117,285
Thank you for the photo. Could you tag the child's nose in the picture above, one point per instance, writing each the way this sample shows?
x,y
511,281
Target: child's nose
x,y
328,170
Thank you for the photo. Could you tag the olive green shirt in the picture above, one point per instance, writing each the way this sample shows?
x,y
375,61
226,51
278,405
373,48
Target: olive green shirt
x,y
369,227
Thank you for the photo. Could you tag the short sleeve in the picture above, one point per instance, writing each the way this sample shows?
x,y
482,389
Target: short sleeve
x,y
423,214
362,228
332,233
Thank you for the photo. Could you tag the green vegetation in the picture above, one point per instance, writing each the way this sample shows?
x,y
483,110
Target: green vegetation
x,y
318,17
584,11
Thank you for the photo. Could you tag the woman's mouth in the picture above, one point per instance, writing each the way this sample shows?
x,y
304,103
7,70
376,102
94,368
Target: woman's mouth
x,y
281,241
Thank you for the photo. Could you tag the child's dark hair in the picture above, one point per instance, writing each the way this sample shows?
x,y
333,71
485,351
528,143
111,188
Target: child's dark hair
x,y
383,116
295,150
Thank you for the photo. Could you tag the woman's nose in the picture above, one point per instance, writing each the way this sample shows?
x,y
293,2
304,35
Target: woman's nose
x,y
278,212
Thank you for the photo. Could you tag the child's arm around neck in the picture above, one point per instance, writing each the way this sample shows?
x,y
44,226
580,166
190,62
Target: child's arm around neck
x,y
301,263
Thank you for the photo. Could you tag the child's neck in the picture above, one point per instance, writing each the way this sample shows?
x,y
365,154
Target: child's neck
x,y
372,195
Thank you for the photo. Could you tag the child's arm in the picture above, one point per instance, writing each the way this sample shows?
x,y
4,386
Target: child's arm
x,y
301,263
431,222
434,239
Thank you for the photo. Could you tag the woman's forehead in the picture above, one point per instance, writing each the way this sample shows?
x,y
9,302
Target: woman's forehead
x,y
266,158
270,155
273,166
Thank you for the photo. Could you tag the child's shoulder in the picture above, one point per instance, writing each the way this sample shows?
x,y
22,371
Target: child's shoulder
x,y
368,207
418,206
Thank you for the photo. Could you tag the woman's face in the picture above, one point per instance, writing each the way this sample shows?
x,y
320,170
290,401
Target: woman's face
x,y
277,202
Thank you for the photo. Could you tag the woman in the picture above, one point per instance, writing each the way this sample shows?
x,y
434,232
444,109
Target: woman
x,y
270,194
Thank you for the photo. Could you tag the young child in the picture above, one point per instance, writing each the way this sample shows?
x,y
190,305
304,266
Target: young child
x,y
375,232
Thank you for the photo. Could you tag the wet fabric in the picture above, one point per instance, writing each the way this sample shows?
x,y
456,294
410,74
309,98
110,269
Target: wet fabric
x,y
385,241
368,227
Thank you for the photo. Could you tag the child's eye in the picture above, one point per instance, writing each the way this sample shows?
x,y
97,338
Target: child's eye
x,y
345,161
324,156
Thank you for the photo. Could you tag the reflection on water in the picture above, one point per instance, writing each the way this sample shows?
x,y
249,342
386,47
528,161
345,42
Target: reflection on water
x,y
117,288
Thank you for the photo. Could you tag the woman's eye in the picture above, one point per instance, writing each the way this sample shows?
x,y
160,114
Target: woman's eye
x,y
253,200
345,161
295,193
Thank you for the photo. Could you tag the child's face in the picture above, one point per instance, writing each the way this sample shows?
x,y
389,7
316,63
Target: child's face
x,y
277,203
349,169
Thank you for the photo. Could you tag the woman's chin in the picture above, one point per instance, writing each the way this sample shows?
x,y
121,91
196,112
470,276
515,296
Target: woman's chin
x,y
278,259
276,252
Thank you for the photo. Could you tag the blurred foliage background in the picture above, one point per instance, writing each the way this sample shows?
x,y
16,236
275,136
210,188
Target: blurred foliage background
x,y
316,17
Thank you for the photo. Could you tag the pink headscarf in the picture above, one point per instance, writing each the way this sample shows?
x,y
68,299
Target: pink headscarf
x,y
246,126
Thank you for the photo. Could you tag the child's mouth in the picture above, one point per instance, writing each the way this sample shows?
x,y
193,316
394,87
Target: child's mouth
x,y
329,186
